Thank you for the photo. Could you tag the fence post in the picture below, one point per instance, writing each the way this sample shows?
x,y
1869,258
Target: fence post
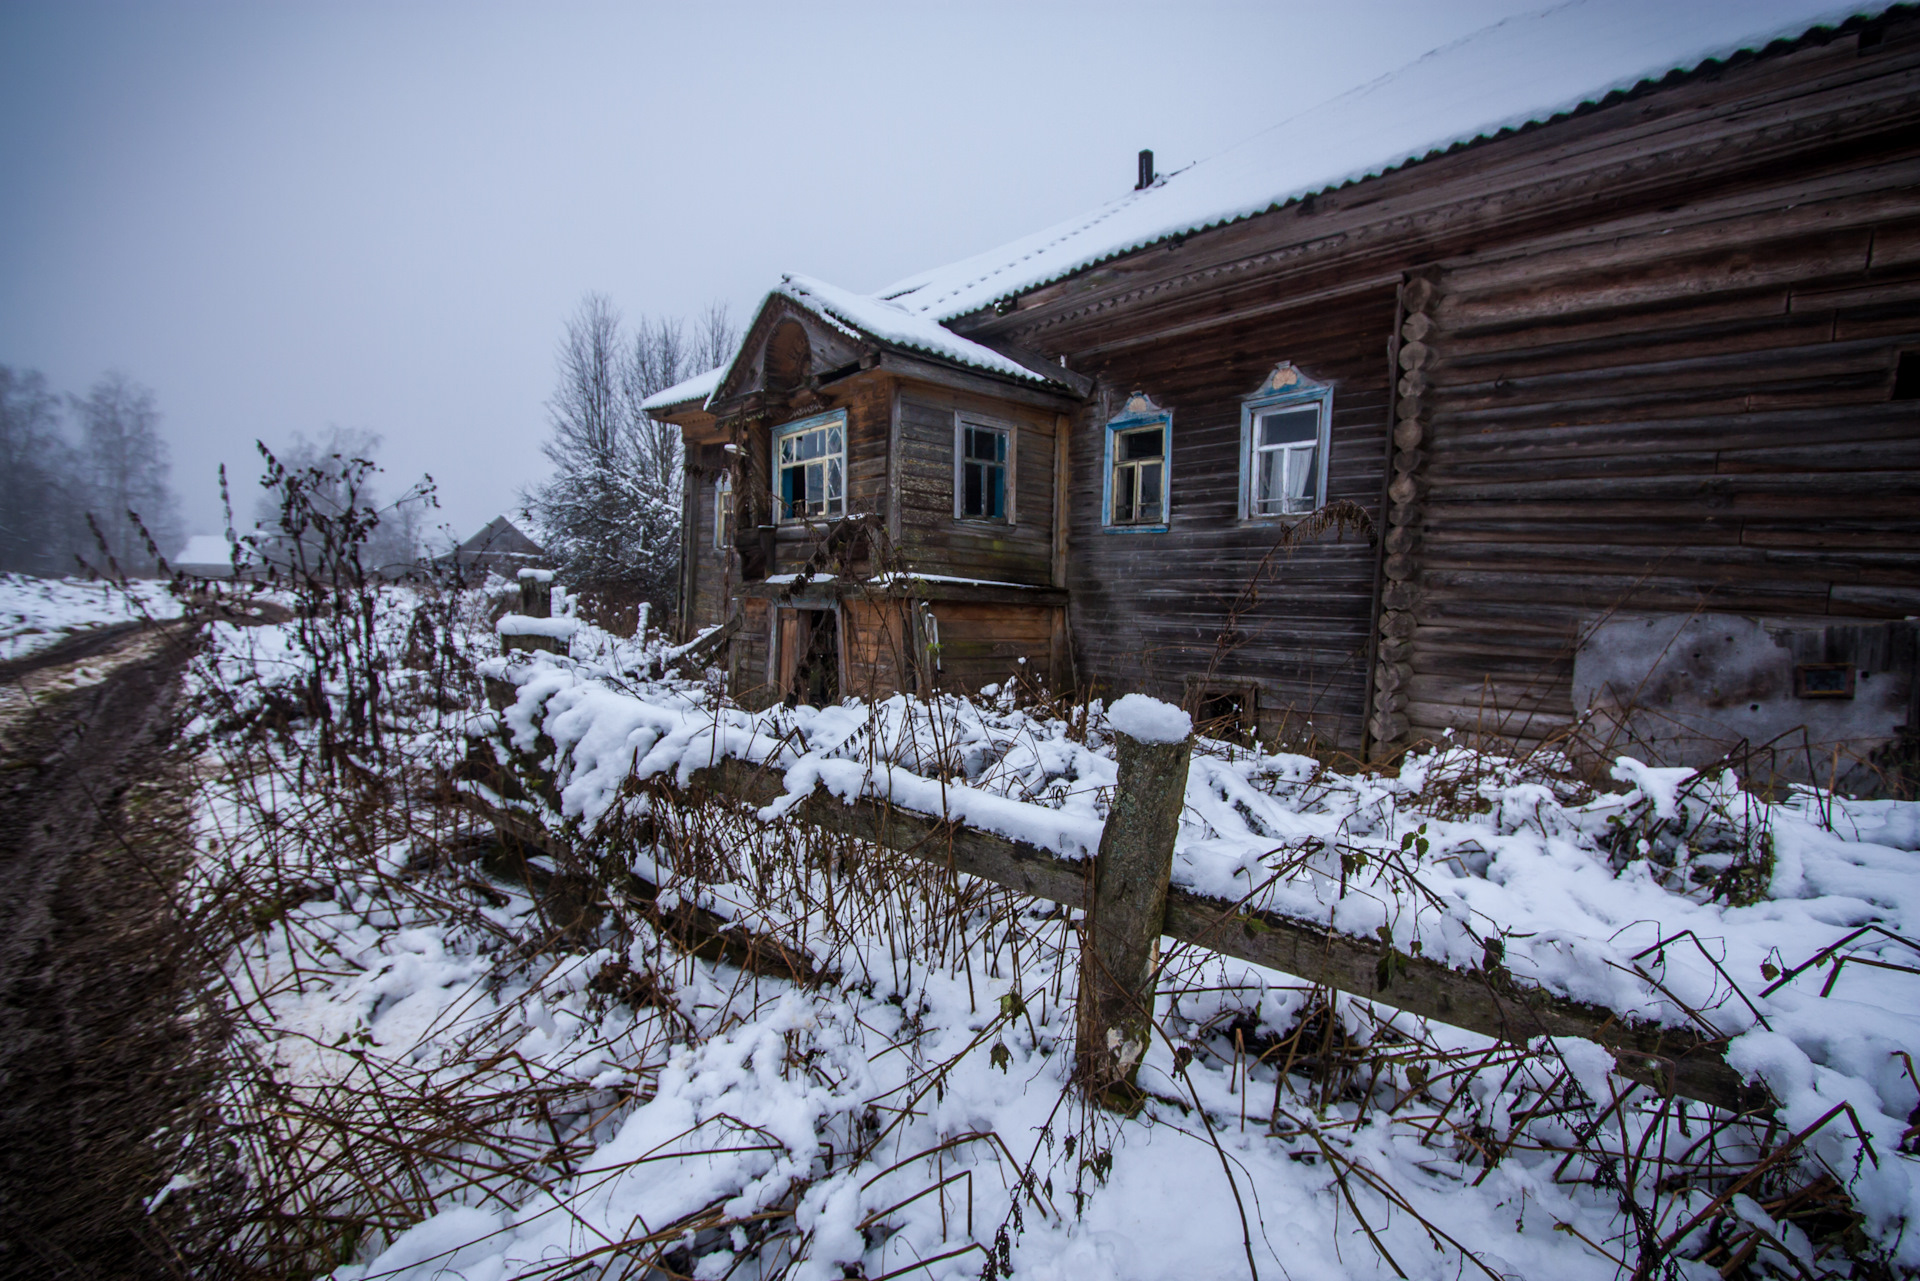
x,y
1127,908
536,601
536,593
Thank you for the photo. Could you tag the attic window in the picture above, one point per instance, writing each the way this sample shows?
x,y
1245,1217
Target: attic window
x,y
810,467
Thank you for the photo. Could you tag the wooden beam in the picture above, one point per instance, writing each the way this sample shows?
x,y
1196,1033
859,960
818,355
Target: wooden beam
x,y
1489,1002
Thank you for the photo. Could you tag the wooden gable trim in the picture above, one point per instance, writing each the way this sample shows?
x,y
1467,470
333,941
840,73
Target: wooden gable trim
x,y
979,384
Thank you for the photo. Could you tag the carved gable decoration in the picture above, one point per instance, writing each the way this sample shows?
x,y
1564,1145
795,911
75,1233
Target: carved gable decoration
x,y
1285,379
785,348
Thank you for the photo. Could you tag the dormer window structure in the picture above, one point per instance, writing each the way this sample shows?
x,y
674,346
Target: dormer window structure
x,y
1284,429
1139,449
810,468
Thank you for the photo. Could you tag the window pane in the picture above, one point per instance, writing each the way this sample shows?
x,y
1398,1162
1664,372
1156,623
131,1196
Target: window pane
x,y
1302,478
816,485
971,485
833,481
1141,444
1123,482
1150,478
792,488
1289,426
786,449
833,440
996,492
1269,486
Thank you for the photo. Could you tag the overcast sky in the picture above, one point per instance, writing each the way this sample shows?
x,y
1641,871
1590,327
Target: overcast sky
x,y
284,217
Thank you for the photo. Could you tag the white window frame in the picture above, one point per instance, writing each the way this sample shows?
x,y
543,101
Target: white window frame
x,y
722,511
799,427
1139,414
962,421
1284,389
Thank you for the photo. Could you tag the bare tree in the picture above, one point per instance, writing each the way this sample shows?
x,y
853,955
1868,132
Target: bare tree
x,y
126,469
611,513
335,474
42,500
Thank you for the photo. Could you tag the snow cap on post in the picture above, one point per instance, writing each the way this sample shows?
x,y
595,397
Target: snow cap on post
x,y
1148,720
537,575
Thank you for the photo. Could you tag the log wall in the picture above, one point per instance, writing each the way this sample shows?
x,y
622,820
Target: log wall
x,y
1695,414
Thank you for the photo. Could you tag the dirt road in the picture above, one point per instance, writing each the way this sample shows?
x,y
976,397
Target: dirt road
x,y
94,1057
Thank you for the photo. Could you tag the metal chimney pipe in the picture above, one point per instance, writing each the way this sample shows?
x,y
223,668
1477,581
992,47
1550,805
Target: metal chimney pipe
x,y
1146,171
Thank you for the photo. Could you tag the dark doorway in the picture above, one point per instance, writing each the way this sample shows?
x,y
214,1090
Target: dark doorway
x,y
815,640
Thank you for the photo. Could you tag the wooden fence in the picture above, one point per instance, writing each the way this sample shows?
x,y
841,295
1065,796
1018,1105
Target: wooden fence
x,y
1128,904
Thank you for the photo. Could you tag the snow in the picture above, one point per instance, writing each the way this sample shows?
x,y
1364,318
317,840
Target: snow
x,y
36,613
209,550
1148,720
744,1097
698,387
537,575
1517,71
524,625
861,315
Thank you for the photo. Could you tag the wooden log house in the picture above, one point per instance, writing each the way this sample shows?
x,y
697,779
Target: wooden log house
x,y
1601,415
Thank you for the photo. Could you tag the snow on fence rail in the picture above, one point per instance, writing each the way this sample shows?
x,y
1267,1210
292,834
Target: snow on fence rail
x,y
608,736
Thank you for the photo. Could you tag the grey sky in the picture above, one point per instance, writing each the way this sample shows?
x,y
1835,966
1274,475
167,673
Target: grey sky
x,y
284,217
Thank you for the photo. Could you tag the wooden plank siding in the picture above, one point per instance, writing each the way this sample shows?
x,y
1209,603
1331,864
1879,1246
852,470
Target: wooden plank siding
x,y
1212,598
931,539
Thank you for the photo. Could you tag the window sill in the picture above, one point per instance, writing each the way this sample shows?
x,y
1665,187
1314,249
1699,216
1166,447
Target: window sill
x,y
1134,529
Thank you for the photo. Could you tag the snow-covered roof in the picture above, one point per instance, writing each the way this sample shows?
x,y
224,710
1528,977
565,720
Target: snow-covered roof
x,y
210,549
698,387
1518,71
862,315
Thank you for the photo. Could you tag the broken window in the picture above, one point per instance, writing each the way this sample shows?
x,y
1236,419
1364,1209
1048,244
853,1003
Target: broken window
x,y
983,487
1283,430
810,467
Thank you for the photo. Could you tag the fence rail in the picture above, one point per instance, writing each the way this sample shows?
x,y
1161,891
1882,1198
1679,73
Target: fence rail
x,y
1488,1001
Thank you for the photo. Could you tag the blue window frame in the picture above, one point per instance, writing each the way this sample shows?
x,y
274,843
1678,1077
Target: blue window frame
x,y
1284,437
983,469
810,468
1137,477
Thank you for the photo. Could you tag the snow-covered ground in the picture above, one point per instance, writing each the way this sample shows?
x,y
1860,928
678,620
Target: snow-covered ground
x,y
38,612
913,1114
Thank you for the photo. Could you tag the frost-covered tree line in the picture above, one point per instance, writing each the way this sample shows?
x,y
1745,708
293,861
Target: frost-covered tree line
x,y
65,457
610,516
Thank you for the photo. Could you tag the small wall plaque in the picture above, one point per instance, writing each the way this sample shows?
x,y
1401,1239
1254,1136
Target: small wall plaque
x,y
1823,680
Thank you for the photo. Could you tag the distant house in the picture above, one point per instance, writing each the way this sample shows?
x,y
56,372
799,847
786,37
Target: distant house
x,y
212,556
1565,382
498,547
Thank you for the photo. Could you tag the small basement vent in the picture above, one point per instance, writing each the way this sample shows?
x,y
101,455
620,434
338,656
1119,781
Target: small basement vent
x,y
1906,376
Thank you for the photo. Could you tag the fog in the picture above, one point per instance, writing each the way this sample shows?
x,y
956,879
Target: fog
x,y
290,217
